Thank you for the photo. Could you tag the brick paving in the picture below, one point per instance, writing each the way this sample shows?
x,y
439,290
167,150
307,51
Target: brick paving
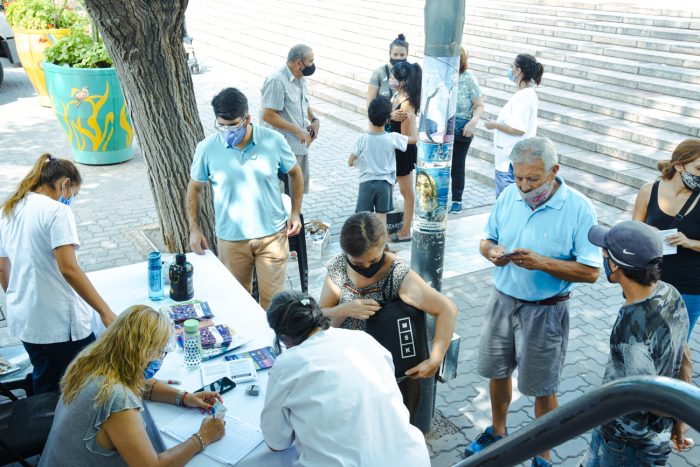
x,y
115,205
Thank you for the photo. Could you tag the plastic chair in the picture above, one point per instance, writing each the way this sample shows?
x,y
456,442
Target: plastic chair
x,y
25,424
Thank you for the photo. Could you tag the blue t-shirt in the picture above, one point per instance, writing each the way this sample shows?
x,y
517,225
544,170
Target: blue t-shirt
x,y
557,229
247,199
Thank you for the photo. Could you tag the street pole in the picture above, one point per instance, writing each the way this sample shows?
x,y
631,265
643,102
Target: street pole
x,y
444,21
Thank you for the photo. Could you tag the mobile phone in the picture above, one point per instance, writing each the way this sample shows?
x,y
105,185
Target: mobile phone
x,y
508,254
221,386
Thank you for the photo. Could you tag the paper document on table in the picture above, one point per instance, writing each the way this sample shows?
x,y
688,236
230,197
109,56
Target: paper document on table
x,y
241,437
668,249
240,371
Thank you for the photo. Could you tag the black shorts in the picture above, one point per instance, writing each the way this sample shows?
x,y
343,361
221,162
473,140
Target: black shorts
x,y
406,160
375,196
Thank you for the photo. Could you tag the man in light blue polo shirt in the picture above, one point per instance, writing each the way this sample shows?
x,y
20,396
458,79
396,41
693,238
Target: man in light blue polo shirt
x,y
537,236
241,161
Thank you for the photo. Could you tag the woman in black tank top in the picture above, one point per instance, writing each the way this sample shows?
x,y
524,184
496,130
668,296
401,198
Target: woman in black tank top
x,y
672,202
407,98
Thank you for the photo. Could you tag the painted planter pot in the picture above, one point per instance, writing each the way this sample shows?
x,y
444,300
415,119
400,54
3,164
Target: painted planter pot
x,y
90,105
30,45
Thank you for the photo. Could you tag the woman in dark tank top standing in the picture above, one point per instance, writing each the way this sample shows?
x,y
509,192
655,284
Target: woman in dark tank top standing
x,y
406,78
661,203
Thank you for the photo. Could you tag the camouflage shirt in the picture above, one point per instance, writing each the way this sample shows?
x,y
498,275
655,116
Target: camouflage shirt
x,y
647,339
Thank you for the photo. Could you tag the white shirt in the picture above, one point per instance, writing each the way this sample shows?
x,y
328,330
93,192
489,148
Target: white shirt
x,y
42,308
335,396
520,112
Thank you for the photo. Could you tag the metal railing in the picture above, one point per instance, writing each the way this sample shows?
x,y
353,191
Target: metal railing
x,y
634,394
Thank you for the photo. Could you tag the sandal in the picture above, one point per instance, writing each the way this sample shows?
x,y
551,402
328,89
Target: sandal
x,y
394,237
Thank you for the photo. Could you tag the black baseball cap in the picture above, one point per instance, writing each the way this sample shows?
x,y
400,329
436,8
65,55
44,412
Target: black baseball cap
x,y
630,244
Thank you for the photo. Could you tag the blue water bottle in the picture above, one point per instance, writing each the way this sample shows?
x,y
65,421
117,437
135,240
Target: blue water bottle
x,y
155,276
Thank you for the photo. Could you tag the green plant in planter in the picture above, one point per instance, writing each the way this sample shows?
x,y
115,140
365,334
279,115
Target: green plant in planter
x,y
79,50
42,14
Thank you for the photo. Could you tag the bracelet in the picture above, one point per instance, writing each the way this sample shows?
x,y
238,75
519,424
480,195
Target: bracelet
x,y
315,120
198,441
180,398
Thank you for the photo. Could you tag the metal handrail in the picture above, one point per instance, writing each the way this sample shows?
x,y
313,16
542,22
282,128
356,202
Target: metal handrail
x,y
634,394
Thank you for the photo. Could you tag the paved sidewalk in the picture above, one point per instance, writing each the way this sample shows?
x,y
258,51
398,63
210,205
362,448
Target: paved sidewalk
x,y
115,206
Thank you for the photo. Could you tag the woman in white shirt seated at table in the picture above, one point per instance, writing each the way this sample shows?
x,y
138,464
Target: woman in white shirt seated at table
x,y
332,392
98,420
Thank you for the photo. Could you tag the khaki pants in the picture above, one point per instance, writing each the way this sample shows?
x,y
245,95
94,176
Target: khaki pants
x,y
267,254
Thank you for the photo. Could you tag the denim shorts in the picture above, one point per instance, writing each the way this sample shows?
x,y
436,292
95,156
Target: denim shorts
x,y
531,337
612,453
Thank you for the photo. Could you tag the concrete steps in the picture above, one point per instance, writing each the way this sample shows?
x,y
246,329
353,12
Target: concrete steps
x,y
621,87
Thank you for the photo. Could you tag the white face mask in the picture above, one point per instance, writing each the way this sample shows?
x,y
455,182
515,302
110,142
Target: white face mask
x,y
538,196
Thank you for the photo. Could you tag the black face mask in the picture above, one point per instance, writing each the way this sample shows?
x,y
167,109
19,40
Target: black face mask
x,y
309,70
394,61
368,271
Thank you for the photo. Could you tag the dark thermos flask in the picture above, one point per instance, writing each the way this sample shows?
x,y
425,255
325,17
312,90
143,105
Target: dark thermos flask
x,y
181,286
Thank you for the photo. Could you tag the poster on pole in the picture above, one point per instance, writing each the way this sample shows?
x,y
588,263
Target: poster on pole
x,y
439,99
432,187
430,154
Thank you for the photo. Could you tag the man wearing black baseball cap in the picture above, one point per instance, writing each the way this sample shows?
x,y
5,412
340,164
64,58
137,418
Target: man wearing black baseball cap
x,y
647,339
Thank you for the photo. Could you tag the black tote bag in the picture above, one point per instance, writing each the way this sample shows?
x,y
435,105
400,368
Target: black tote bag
x,y
401,329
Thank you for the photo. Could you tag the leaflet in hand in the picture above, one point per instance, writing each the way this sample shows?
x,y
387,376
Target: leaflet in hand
x,y
668,249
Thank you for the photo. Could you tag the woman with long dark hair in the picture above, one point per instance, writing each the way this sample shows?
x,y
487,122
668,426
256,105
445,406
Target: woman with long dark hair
x,y
49,297
406,78
330,386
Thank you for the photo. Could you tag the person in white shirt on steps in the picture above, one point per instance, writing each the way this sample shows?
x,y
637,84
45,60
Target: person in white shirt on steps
x,y
49,297
517,120
333,394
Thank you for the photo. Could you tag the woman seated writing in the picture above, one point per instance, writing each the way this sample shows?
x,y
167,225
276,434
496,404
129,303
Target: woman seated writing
x,y
98,420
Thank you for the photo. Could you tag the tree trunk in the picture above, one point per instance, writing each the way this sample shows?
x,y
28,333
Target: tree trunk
x,y
144,40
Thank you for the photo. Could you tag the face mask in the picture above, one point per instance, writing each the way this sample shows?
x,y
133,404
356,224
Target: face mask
x,y
692,182
309,70
510,75
234,137
394,61
368,271
393,83
537,196
64,200
606,267
152,368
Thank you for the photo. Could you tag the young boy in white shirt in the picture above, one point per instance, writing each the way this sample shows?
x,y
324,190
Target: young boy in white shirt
x,y
374,155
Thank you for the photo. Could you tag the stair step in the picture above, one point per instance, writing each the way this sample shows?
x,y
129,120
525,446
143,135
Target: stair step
x,y
677,8
594,15
682,34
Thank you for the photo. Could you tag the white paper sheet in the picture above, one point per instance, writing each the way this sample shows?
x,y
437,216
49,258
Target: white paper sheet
x,y
668,249
240,438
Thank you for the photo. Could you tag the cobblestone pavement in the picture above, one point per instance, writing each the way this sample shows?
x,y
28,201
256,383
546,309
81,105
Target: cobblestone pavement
x,y
115,205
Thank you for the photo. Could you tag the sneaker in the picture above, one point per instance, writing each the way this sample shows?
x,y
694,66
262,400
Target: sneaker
x,y
481,442
538,461
455,207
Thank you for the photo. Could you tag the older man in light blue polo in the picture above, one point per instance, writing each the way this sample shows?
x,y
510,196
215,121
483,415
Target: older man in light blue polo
x,y
537,236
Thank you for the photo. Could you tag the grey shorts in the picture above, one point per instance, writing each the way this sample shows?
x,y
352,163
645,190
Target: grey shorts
x,y
528,336
375,196
303,162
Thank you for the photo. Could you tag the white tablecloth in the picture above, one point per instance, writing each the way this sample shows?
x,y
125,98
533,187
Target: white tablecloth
x,y
231,304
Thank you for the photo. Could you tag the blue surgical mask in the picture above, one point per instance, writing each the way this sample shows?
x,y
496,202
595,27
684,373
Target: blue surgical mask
x,y
64,200
152,368
233,135
510,75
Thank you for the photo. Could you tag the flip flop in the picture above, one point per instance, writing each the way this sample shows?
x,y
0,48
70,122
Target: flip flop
x,y
394,237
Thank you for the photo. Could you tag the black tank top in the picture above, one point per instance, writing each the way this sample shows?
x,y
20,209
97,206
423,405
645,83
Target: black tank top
x,y
681,270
